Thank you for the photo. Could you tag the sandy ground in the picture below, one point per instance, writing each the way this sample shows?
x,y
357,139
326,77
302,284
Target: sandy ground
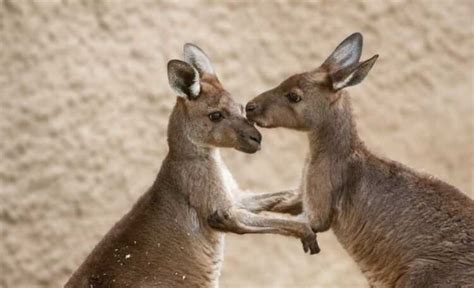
x,y
84,104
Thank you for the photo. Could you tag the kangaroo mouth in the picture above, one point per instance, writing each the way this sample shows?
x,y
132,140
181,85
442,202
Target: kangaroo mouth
x,y
259,122
250,149
262,124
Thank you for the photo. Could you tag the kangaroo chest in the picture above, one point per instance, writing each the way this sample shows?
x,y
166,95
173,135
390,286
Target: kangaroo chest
x,y
228,182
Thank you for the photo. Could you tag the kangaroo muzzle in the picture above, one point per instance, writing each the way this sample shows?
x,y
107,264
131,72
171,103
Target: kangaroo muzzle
x,y
249,139
255,112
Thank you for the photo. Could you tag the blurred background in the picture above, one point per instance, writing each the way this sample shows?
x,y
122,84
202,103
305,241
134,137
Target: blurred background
x,y
85,101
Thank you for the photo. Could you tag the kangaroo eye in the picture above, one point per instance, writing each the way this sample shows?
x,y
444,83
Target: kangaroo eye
x,y
293,97
216,116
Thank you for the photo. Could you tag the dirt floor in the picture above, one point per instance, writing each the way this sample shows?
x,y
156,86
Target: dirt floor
x,y
84,104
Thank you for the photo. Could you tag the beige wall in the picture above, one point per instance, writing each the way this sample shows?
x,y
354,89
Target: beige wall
x,y
84,104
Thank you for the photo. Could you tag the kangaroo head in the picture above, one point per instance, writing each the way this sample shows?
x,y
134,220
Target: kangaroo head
x,y
212,118
307,100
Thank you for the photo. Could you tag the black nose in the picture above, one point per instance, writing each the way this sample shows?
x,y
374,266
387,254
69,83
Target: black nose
x,y
256,137
251,106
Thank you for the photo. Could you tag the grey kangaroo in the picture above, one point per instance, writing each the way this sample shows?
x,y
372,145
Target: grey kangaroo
x,y
403,228
166,239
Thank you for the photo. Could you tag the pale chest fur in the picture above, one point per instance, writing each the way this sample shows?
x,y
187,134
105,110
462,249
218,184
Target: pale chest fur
x,y
228,182
209,185
304,187
228,186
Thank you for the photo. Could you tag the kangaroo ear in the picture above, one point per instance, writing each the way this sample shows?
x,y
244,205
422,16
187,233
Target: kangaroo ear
x,y
351,75
196,57
346,54
184,79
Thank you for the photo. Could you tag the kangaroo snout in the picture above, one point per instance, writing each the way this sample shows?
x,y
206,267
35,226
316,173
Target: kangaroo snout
x,y
255,113
252,135
250,139
251,107
252,110
257,137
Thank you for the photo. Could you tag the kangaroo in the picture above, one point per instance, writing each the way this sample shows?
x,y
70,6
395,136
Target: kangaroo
x,y
166,240
403,228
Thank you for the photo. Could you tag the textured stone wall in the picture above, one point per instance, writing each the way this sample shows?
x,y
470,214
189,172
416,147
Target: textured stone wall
x,y
84,103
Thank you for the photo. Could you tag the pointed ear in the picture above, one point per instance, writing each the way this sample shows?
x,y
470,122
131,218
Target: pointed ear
x,y
352,75
184,79
346,54
196,57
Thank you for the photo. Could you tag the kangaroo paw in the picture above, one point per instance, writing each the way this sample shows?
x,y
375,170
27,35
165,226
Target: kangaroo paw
x,y
219,219
310,243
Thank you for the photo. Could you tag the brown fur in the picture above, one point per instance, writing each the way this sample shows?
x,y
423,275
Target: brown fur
x,y
166,240
403,228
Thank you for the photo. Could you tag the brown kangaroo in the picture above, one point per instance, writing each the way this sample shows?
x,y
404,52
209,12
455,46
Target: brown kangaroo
x,y
404,229
166,240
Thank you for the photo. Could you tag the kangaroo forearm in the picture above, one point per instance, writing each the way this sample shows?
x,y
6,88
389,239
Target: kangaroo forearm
x,y
268,201
241,221
263,196
292,205
290,226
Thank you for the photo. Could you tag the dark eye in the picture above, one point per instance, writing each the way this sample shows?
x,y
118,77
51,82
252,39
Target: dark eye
x,y
293,97
216,116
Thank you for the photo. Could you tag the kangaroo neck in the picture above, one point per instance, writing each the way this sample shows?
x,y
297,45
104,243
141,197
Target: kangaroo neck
x,y
336,138
332,170
181,147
